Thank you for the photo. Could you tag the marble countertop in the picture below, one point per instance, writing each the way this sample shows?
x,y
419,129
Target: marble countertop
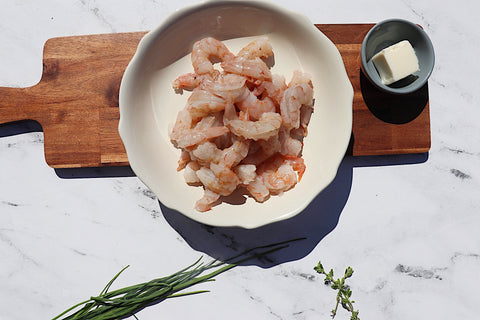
x,y
408,225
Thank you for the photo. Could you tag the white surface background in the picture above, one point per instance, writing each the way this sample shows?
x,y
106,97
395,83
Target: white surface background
x,y
408,225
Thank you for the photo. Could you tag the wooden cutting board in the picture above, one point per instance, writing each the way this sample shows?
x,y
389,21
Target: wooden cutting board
x,y
76,101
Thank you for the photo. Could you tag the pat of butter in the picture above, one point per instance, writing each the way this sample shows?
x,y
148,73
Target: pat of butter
x,y
396,62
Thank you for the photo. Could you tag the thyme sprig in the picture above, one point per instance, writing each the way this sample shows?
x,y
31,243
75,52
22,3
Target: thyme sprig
x,y
344,293
125,302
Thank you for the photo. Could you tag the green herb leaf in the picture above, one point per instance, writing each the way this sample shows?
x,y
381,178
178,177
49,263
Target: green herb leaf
x,y
344,292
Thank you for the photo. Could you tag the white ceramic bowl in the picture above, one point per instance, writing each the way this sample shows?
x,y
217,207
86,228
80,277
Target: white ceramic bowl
x,y
149,105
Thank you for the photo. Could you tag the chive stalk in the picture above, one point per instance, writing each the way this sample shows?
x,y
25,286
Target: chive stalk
x,y
125,302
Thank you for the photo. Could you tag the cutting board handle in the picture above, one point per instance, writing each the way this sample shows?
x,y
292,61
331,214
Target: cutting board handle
x,y
17,104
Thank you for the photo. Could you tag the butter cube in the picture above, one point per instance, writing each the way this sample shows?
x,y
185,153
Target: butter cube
x,y
396,62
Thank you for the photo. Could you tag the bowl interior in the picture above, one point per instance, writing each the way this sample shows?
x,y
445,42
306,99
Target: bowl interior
x,y
149,105
387,33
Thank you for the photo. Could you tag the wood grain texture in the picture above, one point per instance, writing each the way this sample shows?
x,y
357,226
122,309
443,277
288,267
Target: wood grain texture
x,y
76,101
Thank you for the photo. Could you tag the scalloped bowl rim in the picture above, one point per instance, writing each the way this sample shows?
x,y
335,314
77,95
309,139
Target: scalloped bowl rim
x,y
131,88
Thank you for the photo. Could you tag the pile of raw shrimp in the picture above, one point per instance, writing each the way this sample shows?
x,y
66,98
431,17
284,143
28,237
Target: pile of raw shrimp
x,y
242,126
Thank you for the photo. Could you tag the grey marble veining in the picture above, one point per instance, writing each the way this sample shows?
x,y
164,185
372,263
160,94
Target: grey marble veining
x,y
408,225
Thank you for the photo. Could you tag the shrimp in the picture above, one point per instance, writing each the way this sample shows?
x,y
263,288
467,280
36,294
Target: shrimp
x,y
255,107
305,116
184,160
190,174
246,173
289,145
298,164
205,153
293,99
299,93
267,148
252,68
258,189
243,126
266,127
206,202
299,77
234,154
184,136
228,86
206,122
193,137
190,81
281,173
260,48
183,122
204,50
281,179
230,113
218,179
202,103
273,89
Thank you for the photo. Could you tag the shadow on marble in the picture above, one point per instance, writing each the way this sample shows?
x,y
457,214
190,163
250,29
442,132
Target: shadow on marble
x,y
19,127
389,160
97,172
314,223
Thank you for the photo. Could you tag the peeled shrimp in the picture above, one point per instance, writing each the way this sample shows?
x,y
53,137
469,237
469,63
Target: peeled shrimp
x,y
246,173
281,173
202,103
190,173
219,179
228,86
253,68
234,154
183,122
299,77
294,98
208,152
258,189
205,153
243,126
260,48
184,136
254,106
266,149
193,137
274,89
289,145
206,202
305,115
297,163
230,113
184,160
266,127
190,81
280,180
204,50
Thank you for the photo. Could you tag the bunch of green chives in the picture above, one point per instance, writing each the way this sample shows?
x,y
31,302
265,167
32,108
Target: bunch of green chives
x,y
125,302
